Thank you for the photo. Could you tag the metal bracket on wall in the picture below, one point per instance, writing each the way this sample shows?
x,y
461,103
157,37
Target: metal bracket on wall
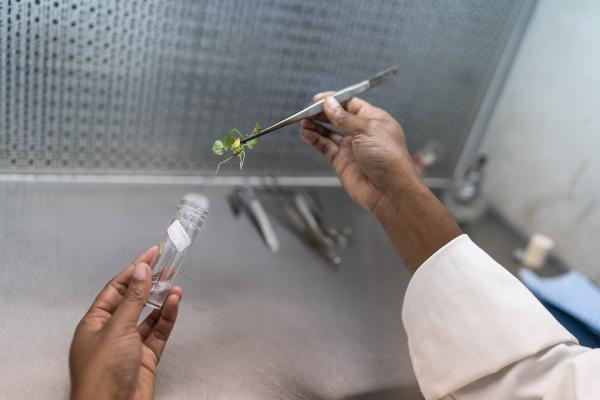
x,y
484,114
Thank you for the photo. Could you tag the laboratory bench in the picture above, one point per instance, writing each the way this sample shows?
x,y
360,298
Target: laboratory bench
x,y
252,325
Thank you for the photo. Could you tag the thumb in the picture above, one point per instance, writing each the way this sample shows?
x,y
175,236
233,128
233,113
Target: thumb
x,y
135,298
349,123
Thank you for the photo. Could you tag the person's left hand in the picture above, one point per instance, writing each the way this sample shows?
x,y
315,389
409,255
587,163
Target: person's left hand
x,y
111,357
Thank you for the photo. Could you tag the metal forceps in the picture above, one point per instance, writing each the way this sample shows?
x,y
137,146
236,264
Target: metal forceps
x,y
317,107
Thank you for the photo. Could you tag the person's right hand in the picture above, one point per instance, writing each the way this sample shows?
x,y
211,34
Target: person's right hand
x,y
376,170
372,160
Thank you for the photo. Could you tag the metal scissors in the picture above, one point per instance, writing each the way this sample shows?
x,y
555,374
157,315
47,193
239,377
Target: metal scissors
x,y
317,107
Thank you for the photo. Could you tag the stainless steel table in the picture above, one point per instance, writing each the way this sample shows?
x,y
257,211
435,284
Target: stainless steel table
x,y
252,326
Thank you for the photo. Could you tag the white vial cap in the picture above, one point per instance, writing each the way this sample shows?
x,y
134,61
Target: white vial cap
x,y
536,252
197,199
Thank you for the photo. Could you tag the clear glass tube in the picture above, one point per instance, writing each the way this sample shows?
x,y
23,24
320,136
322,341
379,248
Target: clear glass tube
x,y
175,244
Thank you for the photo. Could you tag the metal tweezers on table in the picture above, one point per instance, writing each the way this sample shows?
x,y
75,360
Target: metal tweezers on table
x,y
317,107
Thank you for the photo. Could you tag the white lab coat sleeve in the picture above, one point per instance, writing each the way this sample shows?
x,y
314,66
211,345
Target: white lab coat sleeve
x,y
474,331
562,372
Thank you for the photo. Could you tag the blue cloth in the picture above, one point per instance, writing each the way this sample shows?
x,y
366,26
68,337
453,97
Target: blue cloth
x,y
585,336
573,294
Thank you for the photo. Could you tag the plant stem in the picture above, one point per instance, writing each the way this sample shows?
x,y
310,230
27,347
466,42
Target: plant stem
x,y
219,166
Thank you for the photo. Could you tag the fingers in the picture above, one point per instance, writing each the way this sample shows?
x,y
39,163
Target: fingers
x,y
321,129
349,123
151,320
328,132
147,256
356,105
159,334
322,95
325,145
132,303
363,108
109,298
313,126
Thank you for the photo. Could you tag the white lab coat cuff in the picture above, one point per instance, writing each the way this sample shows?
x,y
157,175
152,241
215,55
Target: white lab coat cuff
x,y
467,317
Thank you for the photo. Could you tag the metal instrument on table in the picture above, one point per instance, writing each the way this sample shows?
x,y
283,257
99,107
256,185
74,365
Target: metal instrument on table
x,y
341,236
244,198
308,221
325,243
317,107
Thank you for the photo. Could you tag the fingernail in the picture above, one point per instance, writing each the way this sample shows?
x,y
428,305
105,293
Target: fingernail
x,y
140,272
332,103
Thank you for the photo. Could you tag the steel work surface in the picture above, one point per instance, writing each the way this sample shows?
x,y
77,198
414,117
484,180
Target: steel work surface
x,y
252,325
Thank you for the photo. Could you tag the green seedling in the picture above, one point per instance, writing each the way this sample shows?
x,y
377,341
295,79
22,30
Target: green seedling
x,y
232,146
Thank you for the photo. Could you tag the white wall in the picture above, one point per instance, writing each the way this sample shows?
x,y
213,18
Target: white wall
x,y
544,137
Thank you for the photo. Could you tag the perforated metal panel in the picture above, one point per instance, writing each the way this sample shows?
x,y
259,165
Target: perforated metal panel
x,y
145,86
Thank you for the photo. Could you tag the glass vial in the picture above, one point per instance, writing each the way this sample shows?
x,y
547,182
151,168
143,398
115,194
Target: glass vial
x,y
175,244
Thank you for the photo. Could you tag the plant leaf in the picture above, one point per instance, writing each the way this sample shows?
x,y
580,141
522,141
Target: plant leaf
x,y
232,146
251,143
218,148
228,140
